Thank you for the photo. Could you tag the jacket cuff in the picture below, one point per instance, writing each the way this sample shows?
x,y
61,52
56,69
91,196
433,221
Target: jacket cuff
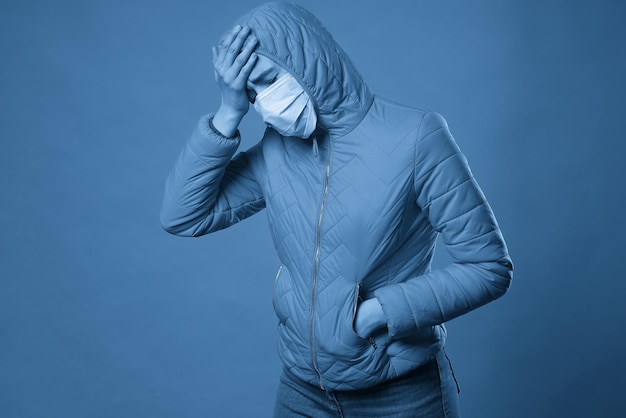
x,y
208,142
209,119
401,321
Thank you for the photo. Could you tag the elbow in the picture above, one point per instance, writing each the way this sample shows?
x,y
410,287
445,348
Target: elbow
x,y
181,230
176,226
495,277
173,230
501,277
170,226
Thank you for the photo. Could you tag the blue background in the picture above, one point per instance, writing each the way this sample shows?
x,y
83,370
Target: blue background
x,y
103,314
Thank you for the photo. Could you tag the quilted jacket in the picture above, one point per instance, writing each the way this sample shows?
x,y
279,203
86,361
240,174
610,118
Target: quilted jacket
x,y
354,213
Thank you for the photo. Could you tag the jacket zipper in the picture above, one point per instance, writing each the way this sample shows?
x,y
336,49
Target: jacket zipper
x,y
316,268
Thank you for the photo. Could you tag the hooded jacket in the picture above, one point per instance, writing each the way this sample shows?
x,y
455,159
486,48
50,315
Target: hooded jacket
x,y
354,213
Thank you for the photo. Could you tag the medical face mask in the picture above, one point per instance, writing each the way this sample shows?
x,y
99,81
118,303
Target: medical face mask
x,y
286,107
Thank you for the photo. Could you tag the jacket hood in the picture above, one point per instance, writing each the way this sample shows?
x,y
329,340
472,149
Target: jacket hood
x,y
295,39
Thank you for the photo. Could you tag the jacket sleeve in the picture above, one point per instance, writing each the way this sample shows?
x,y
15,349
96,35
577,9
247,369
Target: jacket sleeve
x,y
455,206
208,189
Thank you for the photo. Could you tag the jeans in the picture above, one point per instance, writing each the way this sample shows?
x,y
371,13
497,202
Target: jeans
x,y
429,391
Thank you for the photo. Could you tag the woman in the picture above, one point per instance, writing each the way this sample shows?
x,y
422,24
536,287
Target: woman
x,y
357,189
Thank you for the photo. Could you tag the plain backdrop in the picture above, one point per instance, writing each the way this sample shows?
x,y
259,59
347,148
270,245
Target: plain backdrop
x,y
103,314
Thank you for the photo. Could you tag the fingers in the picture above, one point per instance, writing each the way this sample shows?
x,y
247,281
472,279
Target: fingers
x,y
224,43
229,36
230,46
245,54
232,58
247,69
236,46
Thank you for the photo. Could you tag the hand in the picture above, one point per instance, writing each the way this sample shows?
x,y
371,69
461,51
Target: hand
x,y
369,318
233,60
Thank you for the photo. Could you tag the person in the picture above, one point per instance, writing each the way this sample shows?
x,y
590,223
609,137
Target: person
x,y
356,188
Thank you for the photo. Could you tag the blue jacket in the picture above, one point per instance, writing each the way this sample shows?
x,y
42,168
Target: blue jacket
x,y
354,213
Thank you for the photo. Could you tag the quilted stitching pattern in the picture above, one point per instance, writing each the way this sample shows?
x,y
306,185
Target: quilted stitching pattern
x,y
397,178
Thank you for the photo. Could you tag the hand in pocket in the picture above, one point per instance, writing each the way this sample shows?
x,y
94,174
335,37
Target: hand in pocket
x,y
369,318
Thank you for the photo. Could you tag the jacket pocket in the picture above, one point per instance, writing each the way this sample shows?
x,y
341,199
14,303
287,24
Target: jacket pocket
x,y
277,292
379,336
355,307
336,335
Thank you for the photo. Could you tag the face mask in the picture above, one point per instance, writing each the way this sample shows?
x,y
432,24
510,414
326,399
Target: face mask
x,y
286,107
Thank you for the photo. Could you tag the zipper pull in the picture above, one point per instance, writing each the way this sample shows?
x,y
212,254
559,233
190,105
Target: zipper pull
x,y
315,147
